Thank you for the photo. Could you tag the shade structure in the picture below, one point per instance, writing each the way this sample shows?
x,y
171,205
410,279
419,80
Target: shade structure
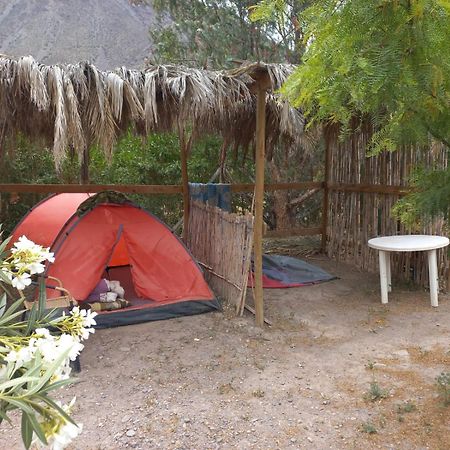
x,y
163,278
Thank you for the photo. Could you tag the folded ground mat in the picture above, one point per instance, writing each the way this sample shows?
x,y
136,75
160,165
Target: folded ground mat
x,y
110,306
284,271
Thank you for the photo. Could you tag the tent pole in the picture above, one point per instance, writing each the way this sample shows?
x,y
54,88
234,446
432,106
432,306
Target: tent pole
x,y
185,182
259,201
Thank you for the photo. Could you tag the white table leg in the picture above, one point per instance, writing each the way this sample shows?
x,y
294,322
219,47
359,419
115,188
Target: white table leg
x,y
433,274
383,277
388,270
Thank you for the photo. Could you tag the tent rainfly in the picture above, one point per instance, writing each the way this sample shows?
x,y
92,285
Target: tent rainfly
x,y
96,237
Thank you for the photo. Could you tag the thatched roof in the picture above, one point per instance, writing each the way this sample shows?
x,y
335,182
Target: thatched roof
x,y
77,105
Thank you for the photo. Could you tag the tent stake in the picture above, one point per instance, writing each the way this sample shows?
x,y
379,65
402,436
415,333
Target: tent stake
x,y
259,202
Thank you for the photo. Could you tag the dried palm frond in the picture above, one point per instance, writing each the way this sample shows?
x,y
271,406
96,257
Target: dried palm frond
x,y
76,105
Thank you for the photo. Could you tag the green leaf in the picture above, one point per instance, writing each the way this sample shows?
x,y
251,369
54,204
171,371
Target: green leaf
x,y
49,373
16,382
27,430
58,408
4,244
13,307
7,317
19,404
55,406
4,278
4,416
37,428
2,304
42,297
58,384
31,322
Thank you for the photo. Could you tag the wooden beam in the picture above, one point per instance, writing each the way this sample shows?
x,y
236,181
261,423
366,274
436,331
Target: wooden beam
x,y
172,189
92,188
270,187
370,188
259,203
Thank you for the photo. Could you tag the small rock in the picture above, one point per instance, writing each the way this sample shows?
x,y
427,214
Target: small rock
x,y
378,365
130,433
124,349
125,419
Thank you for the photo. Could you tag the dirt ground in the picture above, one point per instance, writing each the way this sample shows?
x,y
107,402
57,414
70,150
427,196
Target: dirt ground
x,y
215,381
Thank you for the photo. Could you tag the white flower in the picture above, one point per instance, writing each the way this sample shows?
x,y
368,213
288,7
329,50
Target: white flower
x,y
48,255
21,356
65,435
20,282
66,342
42,332
35,267
87,318
23,244
3,373
59,432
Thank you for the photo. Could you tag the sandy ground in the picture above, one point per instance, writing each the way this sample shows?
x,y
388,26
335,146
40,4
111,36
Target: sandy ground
x,y
217,382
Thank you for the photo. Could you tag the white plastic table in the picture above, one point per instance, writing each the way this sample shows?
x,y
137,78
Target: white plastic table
x,y
408,243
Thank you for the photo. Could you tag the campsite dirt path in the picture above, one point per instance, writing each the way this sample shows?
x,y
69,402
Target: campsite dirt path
x,y
217,382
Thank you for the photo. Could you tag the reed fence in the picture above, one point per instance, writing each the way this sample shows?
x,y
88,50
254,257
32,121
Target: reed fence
x,y
222,243
361,193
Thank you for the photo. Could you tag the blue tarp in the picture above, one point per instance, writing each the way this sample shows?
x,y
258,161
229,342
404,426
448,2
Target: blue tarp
x,y
284,271
214,194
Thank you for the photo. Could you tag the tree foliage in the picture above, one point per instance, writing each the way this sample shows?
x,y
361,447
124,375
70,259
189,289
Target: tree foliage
x,y
213,33
429,198
387,60
155,160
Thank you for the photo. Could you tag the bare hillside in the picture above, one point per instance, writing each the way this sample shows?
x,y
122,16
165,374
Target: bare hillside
x,y
109,33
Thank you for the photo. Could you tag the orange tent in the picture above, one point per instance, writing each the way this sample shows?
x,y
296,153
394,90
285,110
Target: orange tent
x,y
123,242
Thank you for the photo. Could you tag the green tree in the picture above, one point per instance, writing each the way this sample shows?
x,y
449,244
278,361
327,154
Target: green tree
x,y
154,160
213,33
387,61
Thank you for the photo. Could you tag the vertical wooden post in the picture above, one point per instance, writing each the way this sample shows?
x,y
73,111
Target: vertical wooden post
x,y
326,194
259,202
184,149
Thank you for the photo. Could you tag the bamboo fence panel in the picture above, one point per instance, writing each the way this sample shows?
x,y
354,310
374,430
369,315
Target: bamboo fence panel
x,y
355,217
222,243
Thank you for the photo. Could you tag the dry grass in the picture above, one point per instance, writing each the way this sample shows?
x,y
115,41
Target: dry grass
x,y
435,355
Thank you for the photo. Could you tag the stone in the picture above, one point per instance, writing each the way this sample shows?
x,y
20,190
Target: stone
x,y
130,433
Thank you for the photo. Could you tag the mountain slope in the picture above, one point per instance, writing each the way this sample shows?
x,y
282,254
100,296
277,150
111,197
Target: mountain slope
x,y
109,33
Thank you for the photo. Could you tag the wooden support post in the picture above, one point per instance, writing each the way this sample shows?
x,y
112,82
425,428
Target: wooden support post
x,y
326,195
184,151
259,202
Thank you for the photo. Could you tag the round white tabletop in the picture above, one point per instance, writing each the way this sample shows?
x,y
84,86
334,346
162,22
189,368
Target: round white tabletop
x,y
408,243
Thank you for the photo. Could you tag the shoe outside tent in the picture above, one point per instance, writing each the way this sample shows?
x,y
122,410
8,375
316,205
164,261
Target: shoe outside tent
x,y
107,236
